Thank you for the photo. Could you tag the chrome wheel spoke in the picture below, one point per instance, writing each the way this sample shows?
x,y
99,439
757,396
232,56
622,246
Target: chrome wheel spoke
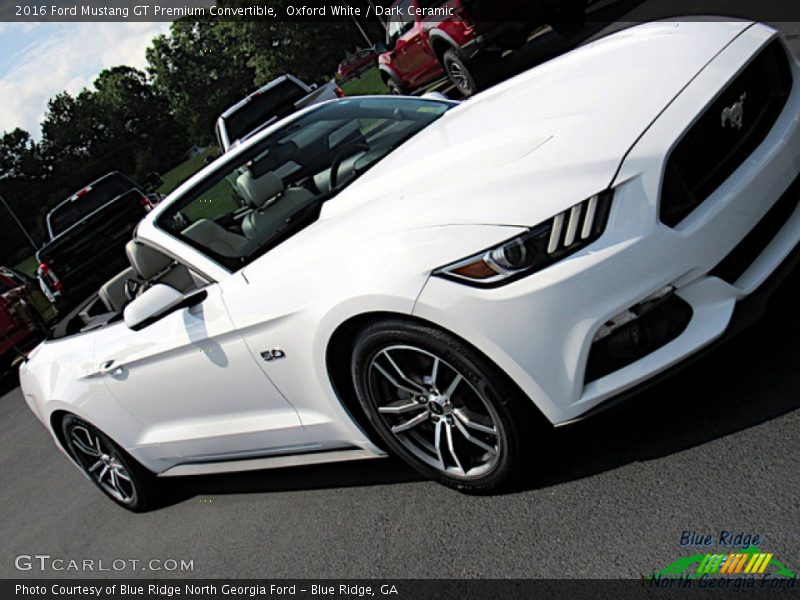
x,y
434,371
122,475
116,475
398,409
393,381
80,445
451,446
470,420
410,423
403,377
93,468
114,482
437,438
453,385
473,440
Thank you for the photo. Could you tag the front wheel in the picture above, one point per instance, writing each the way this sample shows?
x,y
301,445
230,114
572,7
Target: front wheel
x,y
395,87
460,72
110,468
442,406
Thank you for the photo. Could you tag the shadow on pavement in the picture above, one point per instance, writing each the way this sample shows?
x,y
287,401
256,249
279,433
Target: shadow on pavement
x,y
9,382
316,477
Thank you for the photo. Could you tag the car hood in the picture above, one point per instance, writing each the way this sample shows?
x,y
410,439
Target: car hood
x,y
542,141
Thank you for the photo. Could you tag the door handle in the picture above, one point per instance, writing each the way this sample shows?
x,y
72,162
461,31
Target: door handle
x,y
110,367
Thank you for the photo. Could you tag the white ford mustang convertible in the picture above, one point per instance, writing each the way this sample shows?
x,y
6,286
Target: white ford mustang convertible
x,y
436,280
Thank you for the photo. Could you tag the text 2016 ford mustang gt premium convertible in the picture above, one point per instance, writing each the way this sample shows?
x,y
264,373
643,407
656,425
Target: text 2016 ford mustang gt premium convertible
x,y
439,280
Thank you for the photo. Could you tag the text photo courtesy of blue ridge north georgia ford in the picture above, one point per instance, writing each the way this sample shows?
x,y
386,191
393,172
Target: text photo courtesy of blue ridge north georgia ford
x,y
399,298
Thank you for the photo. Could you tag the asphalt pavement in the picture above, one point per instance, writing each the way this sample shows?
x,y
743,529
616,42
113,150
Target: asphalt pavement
x,y
715,448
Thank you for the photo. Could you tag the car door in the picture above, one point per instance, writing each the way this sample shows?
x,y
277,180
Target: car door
x,y
411,57
197,390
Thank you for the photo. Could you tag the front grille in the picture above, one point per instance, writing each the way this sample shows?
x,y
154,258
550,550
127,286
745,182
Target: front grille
x,y
727,132
754,243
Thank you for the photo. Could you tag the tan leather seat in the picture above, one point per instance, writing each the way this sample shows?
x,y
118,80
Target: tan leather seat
x,y
263,223
112,293
258,190
217,238
153,267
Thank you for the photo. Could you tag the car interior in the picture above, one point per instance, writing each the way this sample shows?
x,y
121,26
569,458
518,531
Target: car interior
x,y
148,267
268,193
255,202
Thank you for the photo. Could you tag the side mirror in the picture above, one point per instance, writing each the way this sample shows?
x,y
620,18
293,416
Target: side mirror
x,y
154,304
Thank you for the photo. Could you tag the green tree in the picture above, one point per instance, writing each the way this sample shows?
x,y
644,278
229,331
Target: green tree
x,y
19,156
201,69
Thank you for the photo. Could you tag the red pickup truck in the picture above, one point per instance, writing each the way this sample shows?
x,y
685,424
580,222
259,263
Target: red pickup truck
x,y
427,39
24,314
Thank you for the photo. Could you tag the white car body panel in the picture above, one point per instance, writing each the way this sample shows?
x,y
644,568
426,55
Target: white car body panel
x,y
563,302
195,389
572,123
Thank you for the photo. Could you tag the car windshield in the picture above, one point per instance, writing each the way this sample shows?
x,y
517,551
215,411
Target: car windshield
x,y
255,200
85,202
263,107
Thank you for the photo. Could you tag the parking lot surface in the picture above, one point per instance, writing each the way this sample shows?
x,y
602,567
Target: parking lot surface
x,y
715,448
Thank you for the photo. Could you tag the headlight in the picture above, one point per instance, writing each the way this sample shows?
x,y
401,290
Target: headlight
x,y
535,249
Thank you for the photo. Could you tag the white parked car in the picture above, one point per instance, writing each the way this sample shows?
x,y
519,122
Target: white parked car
x,y
441,281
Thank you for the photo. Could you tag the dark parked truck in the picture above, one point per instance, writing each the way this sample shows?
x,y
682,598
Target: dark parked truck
x,y
88,232
267,105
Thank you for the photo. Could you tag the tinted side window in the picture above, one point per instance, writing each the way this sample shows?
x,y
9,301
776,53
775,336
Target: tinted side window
x,y
399,24
88,200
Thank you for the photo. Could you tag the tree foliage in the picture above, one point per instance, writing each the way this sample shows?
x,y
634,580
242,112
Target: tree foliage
x,y
138,122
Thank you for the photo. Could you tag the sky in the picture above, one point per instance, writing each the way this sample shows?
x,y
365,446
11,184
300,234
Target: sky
x,y
39,60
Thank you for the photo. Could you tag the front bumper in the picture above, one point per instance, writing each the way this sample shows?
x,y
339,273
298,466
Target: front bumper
x,y
747,312
540,329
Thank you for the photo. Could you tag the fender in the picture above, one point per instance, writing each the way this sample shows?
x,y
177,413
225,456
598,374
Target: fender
x,y
437,35
387,70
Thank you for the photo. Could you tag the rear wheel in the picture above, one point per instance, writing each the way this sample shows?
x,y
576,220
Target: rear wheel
x,y
460,72
442,406
110,468
395,87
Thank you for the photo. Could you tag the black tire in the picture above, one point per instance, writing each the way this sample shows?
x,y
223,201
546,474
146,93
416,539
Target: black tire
x,y
484,399
460,73
395,87
111,463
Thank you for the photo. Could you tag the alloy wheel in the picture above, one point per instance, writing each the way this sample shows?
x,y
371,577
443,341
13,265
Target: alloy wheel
x,y
101,462
459,76
434,411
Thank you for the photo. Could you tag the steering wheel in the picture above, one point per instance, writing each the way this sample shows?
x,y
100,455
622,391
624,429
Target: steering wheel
x,y
344,153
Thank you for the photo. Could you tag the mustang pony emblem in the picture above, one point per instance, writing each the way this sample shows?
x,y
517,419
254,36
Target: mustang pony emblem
x,y
734,114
